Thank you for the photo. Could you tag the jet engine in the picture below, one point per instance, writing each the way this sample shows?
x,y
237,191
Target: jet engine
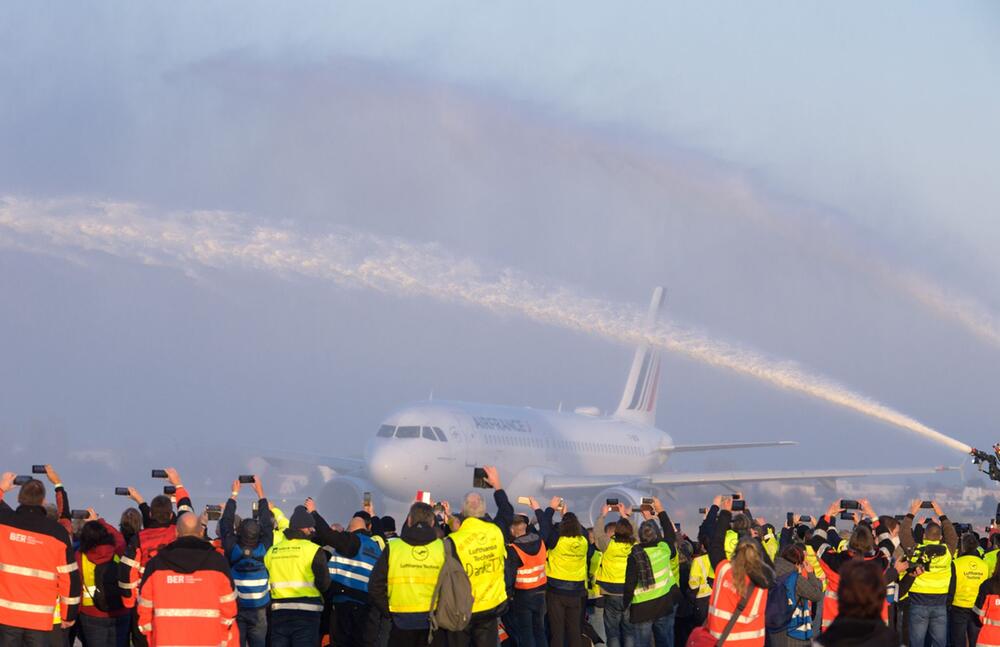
x,y
628,496
342,496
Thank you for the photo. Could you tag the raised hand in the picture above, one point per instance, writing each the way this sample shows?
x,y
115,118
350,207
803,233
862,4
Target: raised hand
x,y
310,505
135,496
258,487
173,476
52,475
493,477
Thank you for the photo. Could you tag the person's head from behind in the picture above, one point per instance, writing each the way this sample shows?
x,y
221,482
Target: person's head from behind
x,y
932,532
741,523
519,527
969,545
31,493
94,534
249,534
131,522
473,506
747,563
862,590
360,521
161,510
189,525
624,532
420,514
794,553
570,526
609,529
861,542
889,525
649,532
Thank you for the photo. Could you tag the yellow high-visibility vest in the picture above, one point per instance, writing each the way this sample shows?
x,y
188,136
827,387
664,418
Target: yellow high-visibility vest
x,y
289,565
413,573
970,572
568,560
481,549
701,574
612,571
934,580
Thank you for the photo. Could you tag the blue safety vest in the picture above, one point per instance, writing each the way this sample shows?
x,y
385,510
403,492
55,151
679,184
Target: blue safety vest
x,y
800,625
250,576
353,572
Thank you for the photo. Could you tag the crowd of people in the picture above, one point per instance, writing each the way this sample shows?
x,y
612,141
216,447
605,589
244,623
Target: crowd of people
x,y
457,578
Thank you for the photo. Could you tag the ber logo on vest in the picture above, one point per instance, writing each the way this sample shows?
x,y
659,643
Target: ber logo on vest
x,y
183,579
24,539
420,553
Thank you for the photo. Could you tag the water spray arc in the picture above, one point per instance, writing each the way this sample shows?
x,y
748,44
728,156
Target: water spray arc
x,y
195,241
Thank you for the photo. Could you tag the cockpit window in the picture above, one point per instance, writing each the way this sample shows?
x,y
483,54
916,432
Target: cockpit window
x,y
408,432
428,434
386,431
440,435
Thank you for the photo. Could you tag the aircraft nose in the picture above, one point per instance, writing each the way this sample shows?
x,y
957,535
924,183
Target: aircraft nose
x,y
384,468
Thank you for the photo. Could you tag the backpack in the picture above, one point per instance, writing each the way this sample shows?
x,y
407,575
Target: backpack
x,y
451,604
778,613
107,596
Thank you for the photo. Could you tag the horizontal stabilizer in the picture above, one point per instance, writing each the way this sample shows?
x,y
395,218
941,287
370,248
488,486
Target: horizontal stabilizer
x,y
563,483
713,446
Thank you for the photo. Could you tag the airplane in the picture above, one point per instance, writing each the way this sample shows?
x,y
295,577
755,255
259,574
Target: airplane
x,y
583,455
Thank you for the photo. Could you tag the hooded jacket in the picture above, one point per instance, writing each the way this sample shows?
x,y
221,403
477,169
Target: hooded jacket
x,y
378,583
186,592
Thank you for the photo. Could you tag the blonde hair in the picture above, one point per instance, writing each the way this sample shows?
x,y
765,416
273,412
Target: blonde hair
x,y
747,564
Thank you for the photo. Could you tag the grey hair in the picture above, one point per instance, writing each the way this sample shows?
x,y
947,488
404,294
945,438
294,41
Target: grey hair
x,y
473,505
649,531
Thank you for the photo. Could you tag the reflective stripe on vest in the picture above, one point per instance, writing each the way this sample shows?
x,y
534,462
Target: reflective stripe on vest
x,y
936,579
611,575
531,574
568,560
482,551
412,574
354,572
663,575
290,567
970,572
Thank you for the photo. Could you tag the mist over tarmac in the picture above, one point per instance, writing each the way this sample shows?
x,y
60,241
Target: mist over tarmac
x,y
799,207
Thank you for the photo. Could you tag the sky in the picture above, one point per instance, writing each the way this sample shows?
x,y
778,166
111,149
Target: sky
x,y
812,182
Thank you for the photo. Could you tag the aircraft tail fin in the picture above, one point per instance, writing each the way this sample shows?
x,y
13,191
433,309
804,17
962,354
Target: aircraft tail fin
x,y
638,402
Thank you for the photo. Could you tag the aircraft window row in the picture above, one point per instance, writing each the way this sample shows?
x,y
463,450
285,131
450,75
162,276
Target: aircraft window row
x,y
412,431
596,448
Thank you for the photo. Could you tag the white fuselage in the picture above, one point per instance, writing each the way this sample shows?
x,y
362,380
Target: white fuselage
x,y
407,454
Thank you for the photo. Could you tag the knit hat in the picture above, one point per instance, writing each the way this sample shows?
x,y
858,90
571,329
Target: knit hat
x,y
301,519
388,524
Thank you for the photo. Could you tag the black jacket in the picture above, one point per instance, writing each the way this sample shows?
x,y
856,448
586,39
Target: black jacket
x,y
378,583
853,632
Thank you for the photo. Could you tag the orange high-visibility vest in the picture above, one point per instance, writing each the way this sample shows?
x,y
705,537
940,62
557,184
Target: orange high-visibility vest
x,y
749,630
531,573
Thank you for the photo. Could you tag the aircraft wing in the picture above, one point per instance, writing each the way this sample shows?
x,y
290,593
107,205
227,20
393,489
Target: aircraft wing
x,y
282,459
556,483
711,447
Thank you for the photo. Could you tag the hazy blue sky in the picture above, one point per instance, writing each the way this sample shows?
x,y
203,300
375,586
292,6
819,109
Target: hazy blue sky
x,y
786,170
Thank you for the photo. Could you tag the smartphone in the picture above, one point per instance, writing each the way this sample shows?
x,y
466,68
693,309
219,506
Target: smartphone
x,y
804,518
702,510
246,478
21,480
253,507
611,501
121,491
214,515
739,505
926,504
789,519
524,500
169,489
677,527
847,516
849,504
38,469
647,500
562,502
479,479
159,474
962,528
366,499
736,497
78,514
